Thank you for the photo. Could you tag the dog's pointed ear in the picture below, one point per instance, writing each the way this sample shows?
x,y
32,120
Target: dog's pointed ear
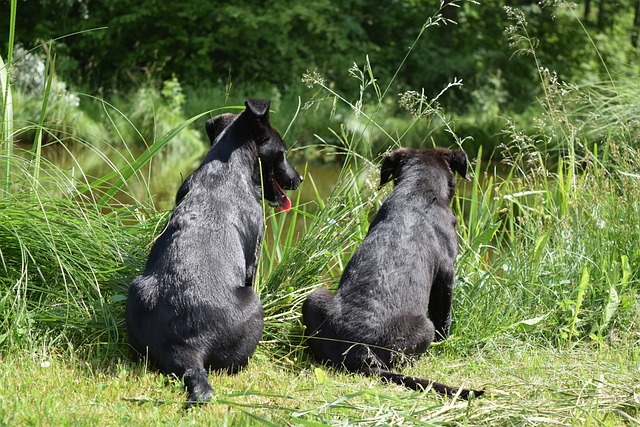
x,y
388,167
458,163
258,107
216,125
210,127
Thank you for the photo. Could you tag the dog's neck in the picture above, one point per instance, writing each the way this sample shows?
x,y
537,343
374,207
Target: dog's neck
x,y
228,158
424,181
234,146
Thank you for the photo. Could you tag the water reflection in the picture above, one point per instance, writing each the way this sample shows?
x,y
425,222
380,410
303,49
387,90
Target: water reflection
x,y
157,182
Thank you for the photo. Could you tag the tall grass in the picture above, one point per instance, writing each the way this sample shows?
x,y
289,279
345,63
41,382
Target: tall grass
x,y
68,244
315,254
555,234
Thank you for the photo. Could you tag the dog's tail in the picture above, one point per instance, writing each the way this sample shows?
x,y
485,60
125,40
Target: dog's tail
x,y
420,384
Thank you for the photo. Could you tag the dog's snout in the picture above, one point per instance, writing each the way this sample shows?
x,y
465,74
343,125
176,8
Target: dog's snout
x,y
295,182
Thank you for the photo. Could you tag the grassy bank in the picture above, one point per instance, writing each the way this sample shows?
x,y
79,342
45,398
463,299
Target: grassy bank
x,y
529,385
546,312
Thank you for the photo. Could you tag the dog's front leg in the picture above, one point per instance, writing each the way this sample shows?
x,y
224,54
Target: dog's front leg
x,y
440,301
252,254
197,384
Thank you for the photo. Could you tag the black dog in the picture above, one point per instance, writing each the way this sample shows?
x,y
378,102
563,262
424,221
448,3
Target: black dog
x,y
194,308
403,267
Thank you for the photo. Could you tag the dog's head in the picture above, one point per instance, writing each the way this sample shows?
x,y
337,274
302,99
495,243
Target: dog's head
x,y
436,165
273,172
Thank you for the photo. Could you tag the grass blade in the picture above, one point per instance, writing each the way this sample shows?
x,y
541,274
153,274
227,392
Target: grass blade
x,y
126,172
37,142
6,126
6,130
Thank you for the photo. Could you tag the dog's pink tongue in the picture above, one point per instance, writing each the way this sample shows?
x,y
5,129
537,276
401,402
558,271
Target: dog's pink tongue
x,y
286,207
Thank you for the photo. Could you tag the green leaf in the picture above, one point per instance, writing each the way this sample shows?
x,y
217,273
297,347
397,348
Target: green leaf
x,y
529,324
540,245
486,236
321,376
118,298
626,271
610,309
582,287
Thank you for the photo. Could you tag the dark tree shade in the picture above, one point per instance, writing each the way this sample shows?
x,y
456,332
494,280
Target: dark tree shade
x,y
105,43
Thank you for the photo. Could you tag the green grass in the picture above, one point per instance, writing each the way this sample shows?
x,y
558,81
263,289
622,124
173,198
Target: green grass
x,y
546,312
527,385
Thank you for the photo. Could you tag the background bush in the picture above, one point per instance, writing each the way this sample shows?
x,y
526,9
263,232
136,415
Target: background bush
x,y
275,42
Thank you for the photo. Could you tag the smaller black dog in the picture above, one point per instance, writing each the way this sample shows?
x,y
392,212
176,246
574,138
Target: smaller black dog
x,y
193,308
403,268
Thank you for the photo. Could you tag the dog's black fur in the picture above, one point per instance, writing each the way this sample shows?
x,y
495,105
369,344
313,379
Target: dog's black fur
x,y
213,127
194,308
403,268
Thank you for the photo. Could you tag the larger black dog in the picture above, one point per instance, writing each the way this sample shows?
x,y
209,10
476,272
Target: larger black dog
x,y
403,268
194,308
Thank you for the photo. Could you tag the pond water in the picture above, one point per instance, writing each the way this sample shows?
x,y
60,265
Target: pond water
x,y
324,178
158,182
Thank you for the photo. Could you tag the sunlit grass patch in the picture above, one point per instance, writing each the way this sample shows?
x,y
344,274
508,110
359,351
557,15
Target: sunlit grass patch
x,y
525,385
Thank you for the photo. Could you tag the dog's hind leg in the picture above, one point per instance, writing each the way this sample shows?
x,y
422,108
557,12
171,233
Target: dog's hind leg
x,y
321,338
409,334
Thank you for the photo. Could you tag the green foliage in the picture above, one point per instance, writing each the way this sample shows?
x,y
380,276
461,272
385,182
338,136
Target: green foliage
x,y
225,53
64,269
554,261
276,42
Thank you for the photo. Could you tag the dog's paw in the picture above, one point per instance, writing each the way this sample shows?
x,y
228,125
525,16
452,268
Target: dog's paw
x,y
198,398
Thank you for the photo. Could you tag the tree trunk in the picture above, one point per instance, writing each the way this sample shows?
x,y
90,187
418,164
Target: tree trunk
x,y
602,16
587,9
636,26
